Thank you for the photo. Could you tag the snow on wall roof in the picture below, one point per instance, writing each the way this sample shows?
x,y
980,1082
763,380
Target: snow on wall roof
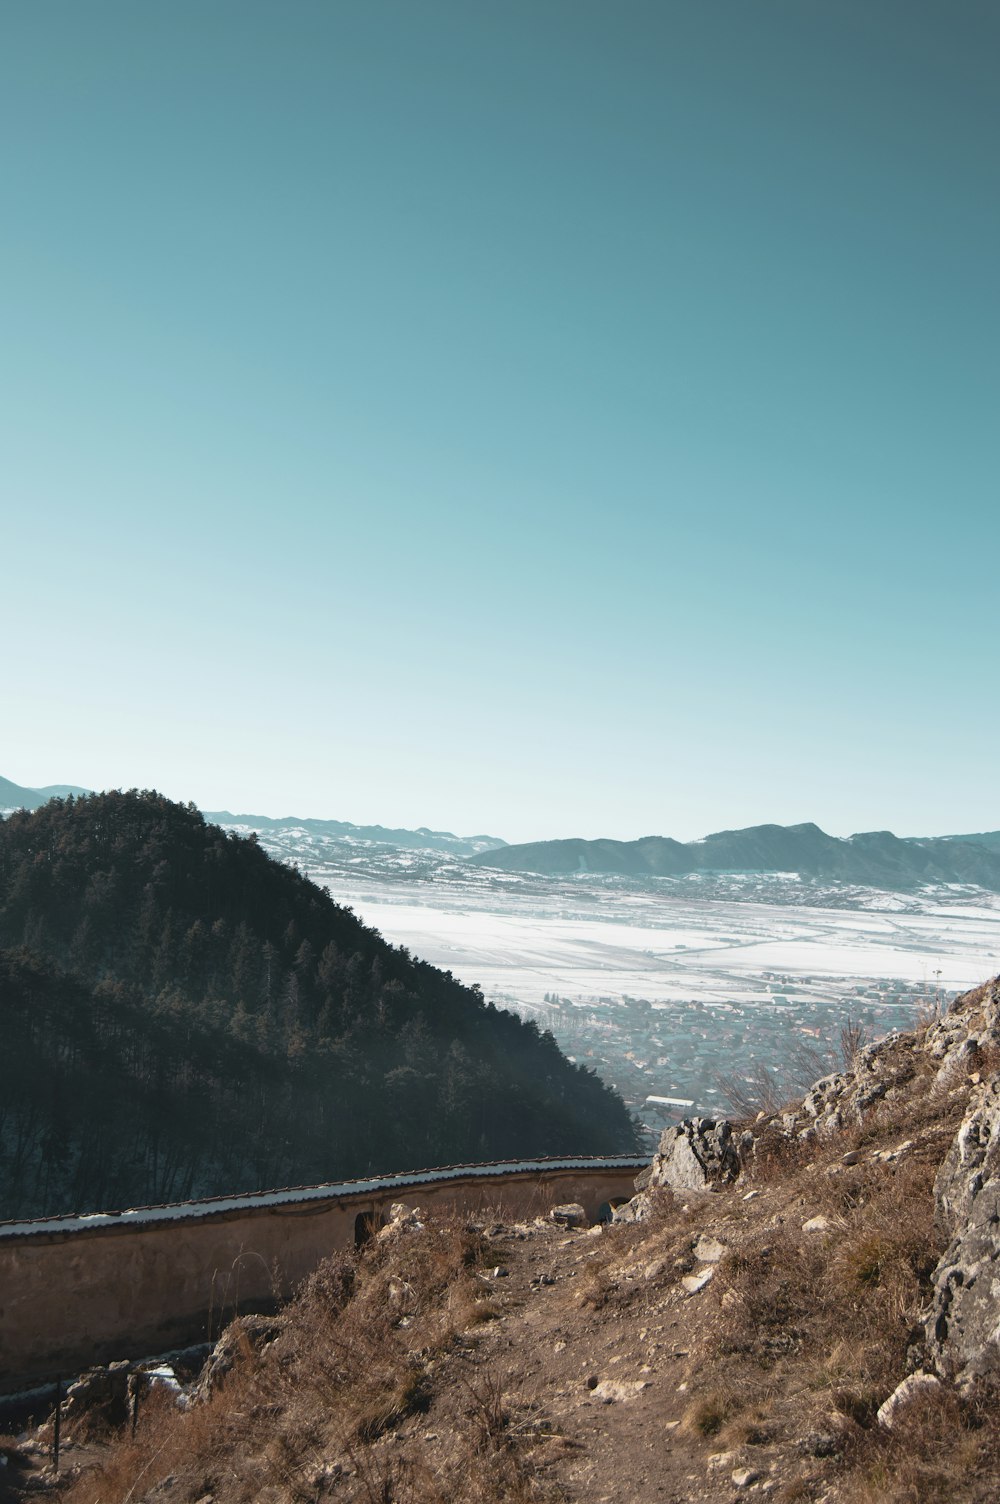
x,y
178,1211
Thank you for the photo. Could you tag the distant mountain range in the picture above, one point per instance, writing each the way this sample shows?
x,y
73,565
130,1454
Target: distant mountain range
x,y
420,839
875,857
14,796
990,838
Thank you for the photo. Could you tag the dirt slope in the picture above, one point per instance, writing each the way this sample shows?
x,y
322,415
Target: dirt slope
x,y
736,1343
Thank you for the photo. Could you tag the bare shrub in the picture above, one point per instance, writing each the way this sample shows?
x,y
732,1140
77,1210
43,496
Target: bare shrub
x,y
351,1361
854,1035
766,1089
932,1455
758,1089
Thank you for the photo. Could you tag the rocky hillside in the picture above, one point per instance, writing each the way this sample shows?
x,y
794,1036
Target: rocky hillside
x,y
802,1307
874,857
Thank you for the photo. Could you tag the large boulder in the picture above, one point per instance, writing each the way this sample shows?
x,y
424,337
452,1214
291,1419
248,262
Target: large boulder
x,y
973,1160
638,1209
963,1325
243,1335
696,1155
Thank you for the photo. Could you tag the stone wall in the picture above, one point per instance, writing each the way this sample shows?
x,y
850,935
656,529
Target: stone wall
x,y
72,1296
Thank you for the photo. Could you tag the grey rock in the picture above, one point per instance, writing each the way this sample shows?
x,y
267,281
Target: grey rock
x,y
819,1444
708,1250
957,1063
963,1325
104,1389
696,1155
972,1161
818,1099
621,1390
255,1332
916,1384
571,1214
636,1210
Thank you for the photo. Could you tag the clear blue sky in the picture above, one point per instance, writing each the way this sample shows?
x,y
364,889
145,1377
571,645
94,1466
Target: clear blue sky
x,y
541,418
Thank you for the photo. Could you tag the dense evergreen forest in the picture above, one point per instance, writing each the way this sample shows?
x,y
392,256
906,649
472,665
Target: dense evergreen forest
x,y
183,1016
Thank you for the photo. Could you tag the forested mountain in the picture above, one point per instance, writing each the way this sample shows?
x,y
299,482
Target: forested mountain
x,y
181,1015
876,857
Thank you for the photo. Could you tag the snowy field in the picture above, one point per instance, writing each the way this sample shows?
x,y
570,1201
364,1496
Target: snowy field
x,y
669,948
668,987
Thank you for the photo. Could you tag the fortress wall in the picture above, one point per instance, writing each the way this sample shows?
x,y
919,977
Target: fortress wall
x,y
71,1298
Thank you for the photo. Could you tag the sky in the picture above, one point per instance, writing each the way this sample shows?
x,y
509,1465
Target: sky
x,y
541,419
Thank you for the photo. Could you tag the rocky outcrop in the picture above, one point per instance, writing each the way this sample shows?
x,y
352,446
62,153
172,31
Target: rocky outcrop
x,y
570,1214
637,1210
102,1392
883,1072
243,1334
879,1073
955,1061
973,1160
698,1154
963,1325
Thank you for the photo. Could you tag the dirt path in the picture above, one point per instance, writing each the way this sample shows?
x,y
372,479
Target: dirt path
x,y
594,1394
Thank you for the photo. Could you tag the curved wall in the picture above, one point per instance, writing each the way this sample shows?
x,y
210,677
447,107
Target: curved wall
x,y
81,1290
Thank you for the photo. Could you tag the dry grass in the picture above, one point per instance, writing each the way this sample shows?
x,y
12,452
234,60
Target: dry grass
x,y
355,1357
788,1352
808,1333
712,1409
941,1451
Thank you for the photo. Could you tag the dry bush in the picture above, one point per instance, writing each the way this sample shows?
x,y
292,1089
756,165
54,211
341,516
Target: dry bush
x,y
761,1088
14,1466
597,1289
352,1360
769,1287
941,1450
854,1035
809,1331
776,1157
985,1059
757,1089
880,1271
709,1411
355,1357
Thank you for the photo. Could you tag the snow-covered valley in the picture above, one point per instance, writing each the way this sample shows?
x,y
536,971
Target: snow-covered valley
x,y
666,985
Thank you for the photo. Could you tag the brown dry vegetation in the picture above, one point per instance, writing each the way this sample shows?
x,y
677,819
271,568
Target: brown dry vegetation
x,y
412,1372
355,1356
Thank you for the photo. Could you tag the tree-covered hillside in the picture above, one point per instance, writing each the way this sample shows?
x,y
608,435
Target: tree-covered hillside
x,y
874,857
181,1015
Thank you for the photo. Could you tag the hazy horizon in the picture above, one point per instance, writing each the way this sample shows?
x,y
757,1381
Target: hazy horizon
x,y
537,421
280,812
